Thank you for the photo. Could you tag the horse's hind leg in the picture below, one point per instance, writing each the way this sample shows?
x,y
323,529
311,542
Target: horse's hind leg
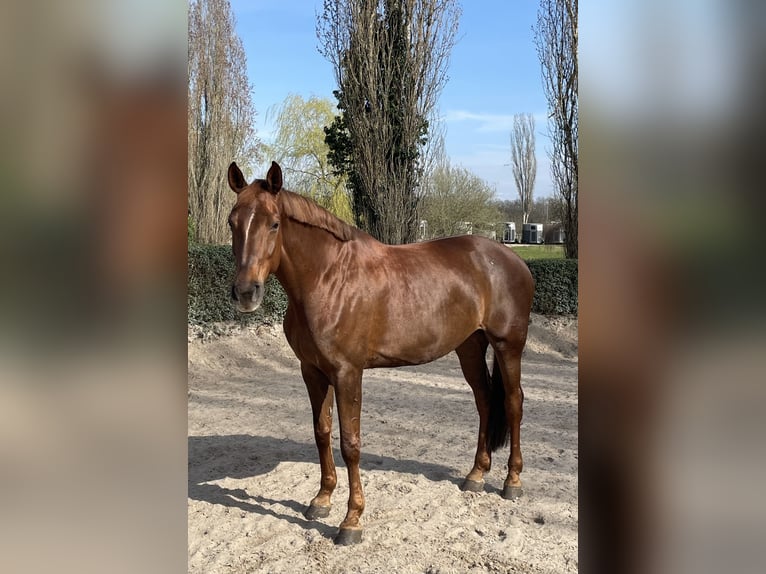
x,y
321,396
508,359
472,354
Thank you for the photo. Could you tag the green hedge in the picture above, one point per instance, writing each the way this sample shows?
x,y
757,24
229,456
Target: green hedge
x,y
211,271
555,286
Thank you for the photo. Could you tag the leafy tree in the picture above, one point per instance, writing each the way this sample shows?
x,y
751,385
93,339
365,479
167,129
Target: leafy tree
x,y
453,196
390,59
299,146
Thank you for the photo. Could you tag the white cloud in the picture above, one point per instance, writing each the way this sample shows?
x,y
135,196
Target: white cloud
x,y
487,122
491,122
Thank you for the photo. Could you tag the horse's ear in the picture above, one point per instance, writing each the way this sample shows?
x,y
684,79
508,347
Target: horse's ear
x,y
237,181
274,177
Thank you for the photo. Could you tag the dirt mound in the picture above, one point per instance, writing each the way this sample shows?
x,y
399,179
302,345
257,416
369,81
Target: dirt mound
x,y
552,336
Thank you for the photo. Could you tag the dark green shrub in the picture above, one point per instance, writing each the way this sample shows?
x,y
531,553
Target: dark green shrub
x,y
555,286
211,272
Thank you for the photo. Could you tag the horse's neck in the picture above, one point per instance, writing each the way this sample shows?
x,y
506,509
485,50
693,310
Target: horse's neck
x,y
307,252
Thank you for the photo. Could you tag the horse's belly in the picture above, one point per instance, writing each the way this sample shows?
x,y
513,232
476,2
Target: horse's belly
x,y
414,350
379,360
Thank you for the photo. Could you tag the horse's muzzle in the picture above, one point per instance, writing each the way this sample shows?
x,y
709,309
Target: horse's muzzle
x,y
247,298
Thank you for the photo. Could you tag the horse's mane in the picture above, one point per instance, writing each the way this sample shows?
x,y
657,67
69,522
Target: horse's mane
x,y
306,211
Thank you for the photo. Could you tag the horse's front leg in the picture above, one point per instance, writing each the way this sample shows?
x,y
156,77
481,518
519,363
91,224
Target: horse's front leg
x,y
348,391
321,396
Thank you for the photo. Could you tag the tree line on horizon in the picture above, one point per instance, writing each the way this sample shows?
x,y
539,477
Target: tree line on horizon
x,y
376,156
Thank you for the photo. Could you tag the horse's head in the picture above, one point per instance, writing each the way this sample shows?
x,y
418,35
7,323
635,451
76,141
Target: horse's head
x,y
256,235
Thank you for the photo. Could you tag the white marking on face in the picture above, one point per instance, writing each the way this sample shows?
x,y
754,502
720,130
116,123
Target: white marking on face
x,y
247,232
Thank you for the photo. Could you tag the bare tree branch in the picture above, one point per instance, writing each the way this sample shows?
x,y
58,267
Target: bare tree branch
x,y
556,41
221,115
523,160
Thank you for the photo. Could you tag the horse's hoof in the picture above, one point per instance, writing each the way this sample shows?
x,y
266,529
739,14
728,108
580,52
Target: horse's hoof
x,y
347,536
315,511
512,492
472,485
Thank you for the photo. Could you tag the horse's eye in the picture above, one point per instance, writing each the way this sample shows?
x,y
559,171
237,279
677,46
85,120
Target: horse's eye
x,y
275,226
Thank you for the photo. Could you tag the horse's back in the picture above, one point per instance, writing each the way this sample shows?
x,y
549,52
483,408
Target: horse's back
x,y
475,256
492,280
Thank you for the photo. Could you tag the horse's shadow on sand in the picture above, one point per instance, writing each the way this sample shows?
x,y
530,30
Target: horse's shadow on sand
x,y
212,458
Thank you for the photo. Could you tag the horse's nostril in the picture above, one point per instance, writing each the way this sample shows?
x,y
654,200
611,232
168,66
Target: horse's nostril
x,y
247,293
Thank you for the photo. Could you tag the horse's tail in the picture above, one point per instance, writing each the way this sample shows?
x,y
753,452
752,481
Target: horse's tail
x,y
497,429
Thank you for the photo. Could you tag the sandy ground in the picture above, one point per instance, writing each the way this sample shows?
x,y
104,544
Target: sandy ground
x,y
253,465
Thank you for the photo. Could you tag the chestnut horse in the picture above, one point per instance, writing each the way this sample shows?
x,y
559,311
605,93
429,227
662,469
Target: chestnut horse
x,y
355,304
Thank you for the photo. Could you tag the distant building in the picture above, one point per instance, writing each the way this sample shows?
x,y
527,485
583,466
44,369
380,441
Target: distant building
x,y
423,230
464,228
532,233
509,232
554,233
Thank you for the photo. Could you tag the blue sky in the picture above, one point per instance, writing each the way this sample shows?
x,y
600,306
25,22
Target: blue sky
x,y
494,73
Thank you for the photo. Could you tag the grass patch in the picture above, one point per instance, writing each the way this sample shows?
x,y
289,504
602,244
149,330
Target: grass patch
x,y
527,252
